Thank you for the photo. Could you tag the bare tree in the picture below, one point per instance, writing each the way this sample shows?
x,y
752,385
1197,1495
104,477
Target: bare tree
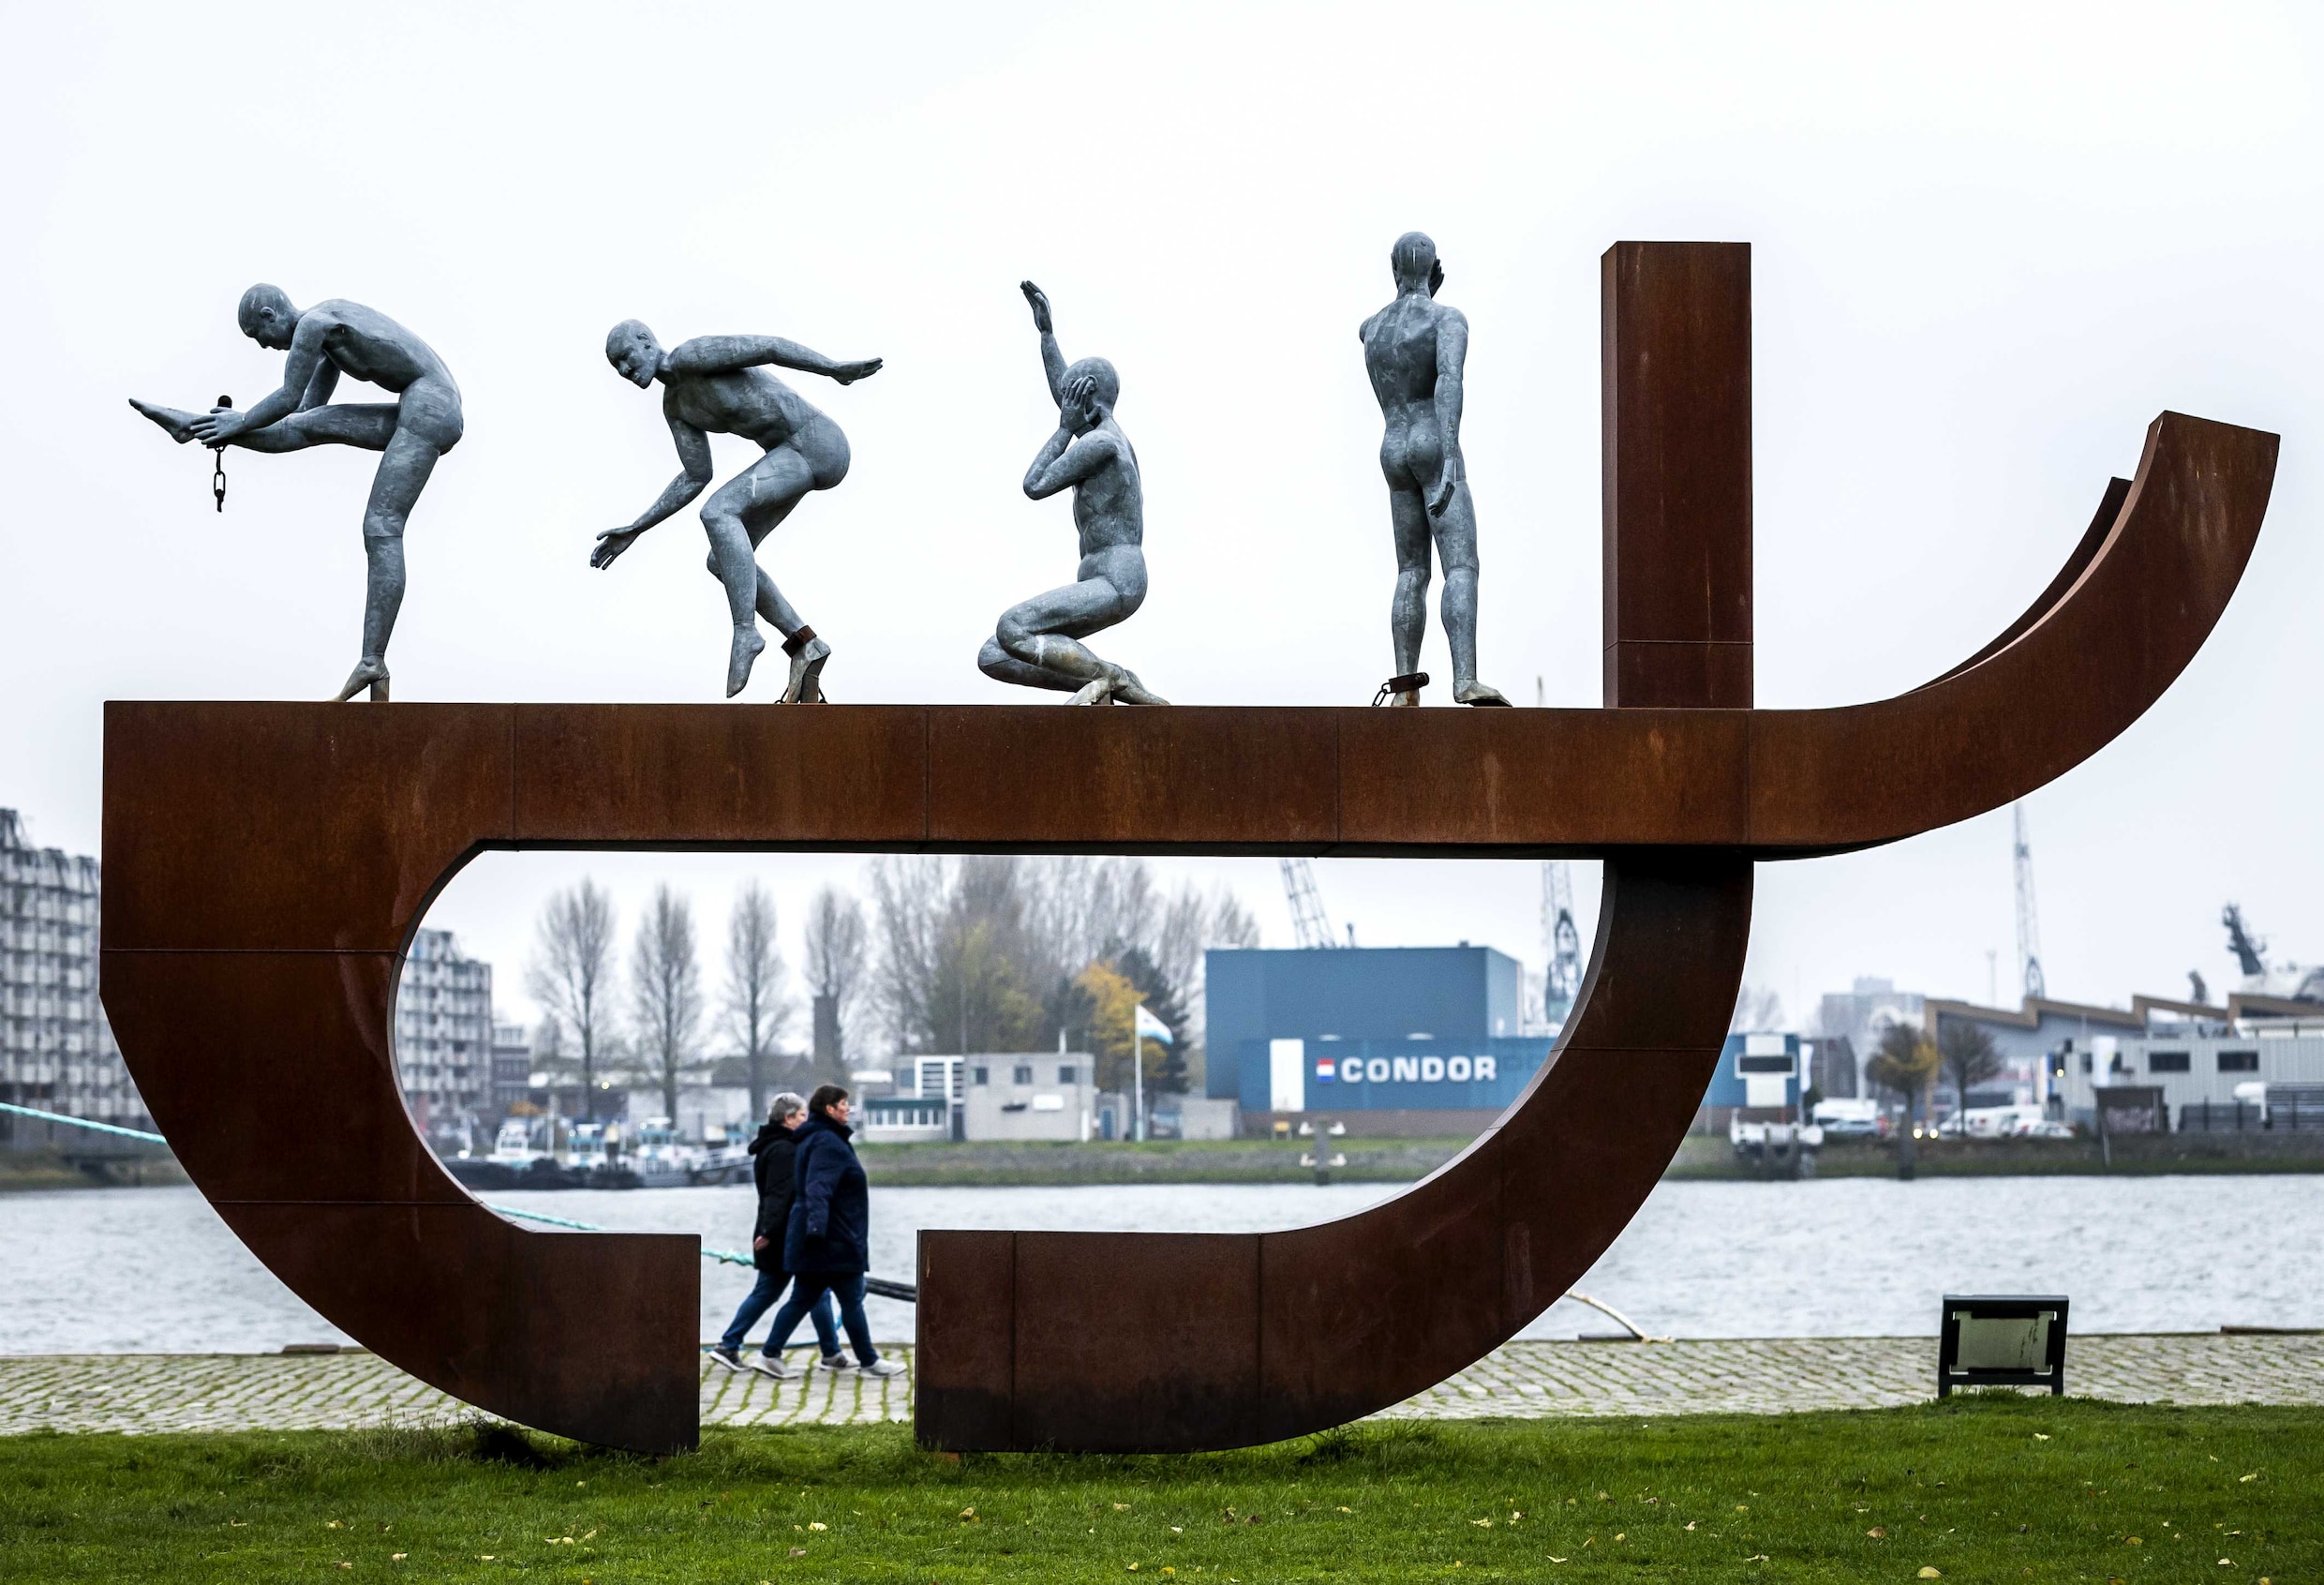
x,y
571,968
756,1007
1192,924
665,991
1969,1056
835,975
1757,1010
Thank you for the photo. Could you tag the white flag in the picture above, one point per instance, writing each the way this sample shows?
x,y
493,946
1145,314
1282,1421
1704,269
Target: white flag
x,y
1151,1028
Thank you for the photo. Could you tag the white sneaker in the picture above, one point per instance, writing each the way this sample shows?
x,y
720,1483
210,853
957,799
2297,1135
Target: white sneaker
x,y
882,1368
727,1359
771,1364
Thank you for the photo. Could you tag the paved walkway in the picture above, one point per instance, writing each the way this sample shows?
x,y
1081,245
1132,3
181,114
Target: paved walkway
x,y
1764,1376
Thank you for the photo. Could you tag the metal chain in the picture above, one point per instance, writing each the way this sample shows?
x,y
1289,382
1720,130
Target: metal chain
x,y
217,464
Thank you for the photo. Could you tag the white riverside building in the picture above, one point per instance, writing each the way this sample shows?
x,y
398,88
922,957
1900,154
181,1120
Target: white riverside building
x,y
56,1050
444,1040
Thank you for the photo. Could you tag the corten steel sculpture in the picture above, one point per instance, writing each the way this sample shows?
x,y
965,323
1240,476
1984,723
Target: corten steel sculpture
x,y
411,432
266,864
718,385
1416,351
1038,642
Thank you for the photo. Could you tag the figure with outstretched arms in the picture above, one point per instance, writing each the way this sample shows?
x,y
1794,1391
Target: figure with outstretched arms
x,y
1038,644
720,386
1415,350
323,342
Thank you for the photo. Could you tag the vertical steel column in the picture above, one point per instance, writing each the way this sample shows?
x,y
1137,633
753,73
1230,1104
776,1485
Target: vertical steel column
x,y
1676,353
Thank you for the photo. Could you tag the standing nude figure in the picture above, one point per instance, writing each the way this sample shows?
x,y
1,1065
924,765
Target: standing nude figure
x,y
717,384
1414,350
325,341
1037,643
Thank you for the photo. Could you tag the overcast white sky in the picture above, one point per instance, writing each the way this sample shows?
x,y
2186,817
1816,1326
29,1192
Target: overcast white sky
x,y
1989,244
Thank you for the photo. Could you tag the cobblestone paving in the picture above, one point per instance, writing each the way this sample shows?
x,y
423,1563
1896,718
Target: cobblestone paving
x,y
1767,1376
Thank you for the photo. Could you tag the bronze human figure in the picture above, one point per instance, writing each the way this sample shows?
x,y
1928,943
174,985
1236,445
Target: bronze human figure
x,y
718,385
1037,643
325,341
1414,350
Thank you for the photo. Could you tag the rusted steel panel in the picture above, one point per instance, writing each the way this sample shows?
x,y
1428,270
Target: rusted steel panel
x,y
1675,370
1136,1343
720,775
963,1378
2036,707
243,824
273,1073
1516,781
1034,778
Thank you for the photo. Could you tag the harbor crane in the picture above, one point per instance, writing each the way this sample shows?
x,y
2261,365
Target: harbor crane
x,y
2029,922
1561,981
1310,925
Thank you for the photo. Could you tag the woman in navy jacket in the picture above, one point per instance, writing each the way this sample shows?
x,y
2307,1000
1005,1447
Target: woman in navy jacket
x,y
826,1246
771,1156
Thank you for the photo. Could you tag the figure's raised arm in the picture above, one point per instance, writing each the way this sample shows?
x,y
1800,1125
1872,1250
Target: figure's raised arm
x,y
693,457
300,370
1052,361
1452,359
722,354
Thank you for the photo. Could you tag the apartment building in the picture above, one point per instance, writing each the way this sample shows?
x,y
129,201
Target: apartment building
x,y
56,1050
444,1041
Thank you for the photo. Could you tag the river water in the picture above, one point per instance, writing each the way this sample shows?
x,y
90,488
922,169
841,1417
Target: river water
x,y
154,1269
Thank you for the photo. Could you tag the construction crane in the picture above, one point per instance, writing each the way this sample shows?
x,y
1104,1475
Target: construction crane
x,y
1310,925
2028,923
1562,980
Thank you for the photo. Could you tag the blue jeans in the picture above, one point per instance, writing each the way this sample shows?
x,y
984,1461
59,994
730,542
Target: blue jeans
x,y
762,1295
818,1288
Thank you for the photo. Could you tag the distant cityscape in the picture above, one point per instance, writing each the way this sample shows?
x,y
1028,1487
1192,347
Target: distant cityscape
x,y
1230,1039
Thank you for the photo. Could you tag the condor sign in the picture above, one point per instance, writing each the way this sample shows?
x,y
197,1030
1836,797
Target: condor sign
x,y
1299,1075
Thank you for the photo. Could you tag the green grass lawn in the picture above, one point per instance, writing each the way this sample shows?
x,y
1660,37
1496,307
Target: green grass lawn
x,y
1984,1488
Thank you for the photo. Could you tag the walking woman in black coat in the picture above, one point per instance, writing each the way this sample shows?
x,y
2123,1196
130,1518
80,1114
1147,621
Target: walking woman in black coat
x,y
829,1241
772,1167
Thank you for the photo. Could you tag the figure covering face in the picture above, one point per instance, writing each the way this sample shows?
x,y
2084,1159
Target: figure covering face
x,y
717,385
325,341
1414,350
1037,643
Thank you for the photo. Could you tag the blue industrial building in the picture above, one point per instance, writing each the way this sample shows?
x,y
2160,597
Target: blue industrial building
x,y
1356,1030
1755,1073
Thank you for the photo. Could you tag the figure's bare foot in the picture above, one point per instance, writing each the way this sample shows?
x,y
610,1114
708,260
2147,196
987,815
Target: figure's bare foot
x,y
1410,697
1099,691
1475,693
178,425
369,673
741,657
806,684
1130,691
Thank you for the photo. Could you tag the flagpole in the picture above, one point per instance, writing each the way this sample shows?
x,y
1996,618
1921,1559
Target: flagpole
x,y
1138,1074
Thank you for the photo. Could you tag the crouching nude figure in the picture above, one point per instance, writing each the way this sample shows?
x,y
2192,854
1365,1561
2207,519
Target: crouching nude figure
x,y
1037,643
1414,350
323,342
718,385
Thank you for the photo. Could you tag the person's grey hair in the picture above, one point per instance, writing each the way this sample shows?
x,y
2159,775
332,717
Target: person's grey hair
x,y
787,1105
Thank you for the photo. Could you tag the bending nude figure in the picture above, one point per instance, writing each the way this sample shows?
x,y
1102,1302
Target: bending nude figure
x,y
1037,643
1414,350
717,384
325,341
